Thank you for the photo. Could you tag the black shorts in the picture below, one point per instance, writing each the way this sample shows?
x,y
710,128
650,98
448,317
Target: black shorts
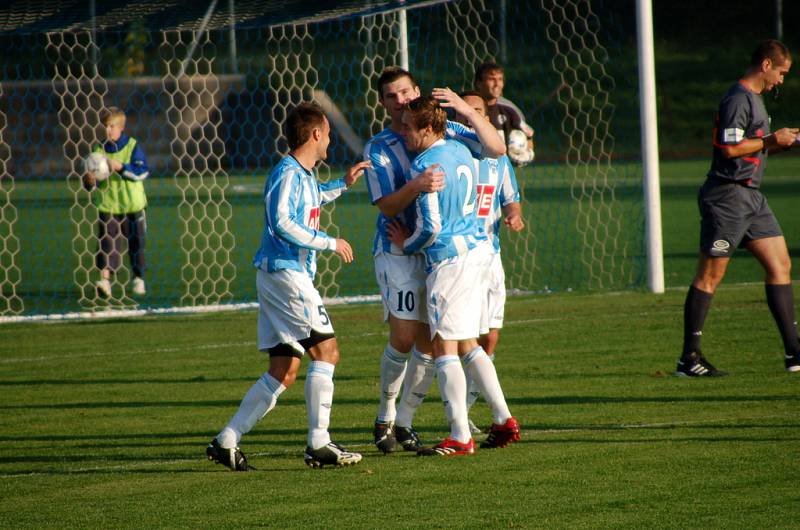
x,y
285,350
731,216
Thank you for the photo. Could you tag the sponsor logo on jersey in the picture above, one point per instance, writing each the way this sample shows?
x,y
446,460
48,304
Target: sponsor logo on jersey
x,y
313,218
485,196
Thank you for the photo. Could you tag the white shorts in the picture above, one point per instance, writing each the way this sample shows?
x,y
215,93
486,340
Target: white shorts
x,y
494,301
289,307
455,292
401,280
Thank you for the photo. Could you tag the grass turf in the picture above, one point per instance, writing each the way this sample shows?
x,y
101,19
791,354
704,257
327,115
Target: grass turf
x,y
104,424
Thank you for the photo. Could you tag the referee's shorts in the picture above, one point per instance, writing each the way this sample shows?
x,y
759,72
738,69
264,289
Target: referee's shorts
x,y
732,214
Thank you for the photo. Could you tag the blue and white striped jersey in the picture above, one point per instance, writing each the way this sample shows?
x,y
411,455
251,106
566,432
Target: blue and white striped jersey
x,y
446,224
390,171
292,200
497,187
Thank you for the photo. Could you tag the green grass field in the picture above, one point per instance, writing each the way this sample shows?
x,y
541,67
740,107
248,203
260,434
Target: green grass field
x,y
104,422
104,425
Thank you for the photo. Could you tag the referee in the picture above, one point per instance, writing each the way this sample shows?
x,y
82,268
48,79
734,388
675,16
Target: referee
x,y
734,212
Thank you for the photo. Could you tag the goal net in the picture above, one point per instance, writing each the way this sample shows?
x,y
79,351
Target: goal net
x,y
206,87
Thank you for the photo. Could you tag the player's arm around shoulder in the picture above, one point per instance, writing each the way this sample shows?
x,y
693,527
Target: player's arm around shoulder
x,y
355,172
429,180
330,191
493,145
428,224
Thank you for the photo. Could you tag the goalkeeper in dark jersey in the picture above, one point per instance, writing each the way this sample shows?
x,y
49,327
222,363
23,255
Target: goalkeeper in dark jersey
x,y
734,212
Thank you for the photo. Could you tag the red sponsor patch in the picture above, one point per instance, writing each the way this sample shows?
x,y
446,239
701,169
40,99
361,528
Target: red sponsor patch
x,y
313,218
485,196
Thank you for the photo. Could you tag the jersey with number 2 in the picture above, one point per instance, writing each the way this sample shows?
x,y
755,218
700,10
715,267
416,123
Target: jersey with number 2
x,y
445,224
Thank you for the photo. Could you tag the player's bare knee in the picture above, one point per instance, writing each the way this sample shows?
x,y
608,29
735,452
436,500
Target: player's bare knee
x,y
785,266
709,279
402,334
466,346
288,378
326,351
284,363
402,338
402,344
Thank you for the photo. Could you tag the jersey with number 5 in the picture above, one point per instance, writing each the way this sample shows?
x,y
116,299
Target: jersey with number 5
x,y
497,187
445,225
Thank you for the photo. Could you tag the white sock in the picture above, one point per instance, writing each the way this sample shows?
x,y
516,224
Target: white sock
x,y
453,387
319,398
259,400
482,371
418,379
473,392
393,366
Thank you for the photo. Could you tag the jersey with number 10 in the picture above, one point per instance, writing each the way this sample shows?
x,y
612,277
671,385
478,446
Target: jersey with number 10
x,y
292,200
497,187
446,223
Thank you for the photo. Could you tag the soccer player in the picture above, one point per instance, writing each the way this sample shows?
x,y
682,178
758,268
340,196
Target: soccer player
x,y
292,319
735,213
401,278
446,231
504,115
497,200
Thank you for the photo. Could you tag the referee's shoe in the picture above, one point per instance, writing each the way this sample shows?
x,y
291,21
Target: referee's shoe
x,y
693,364
792,362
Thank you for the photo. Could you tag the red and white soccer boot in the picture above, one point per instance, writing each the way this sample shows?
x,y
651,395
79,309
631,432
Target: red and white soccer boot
x,y
502,435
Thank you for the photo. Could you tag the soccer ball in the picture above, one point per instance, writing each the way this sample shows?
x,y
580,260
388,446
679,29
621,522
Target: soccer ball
x,y
518,150
97,166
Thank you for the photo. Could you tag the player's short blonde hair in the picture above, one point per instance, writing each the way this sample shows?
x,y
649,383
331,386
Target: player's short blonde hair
x,y
109,114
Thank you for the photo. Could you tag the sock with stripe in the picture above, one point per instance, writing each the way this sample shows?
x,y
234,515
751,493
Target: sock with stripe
x,y
473,392
319,398
393,367
780,300
453,387
258,401
695,309
417,381
482,371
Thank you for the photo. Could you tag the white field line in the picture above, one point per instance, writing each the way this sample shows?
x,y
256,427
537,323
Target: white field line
x,y
342,300
362,446
252,344
121,313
